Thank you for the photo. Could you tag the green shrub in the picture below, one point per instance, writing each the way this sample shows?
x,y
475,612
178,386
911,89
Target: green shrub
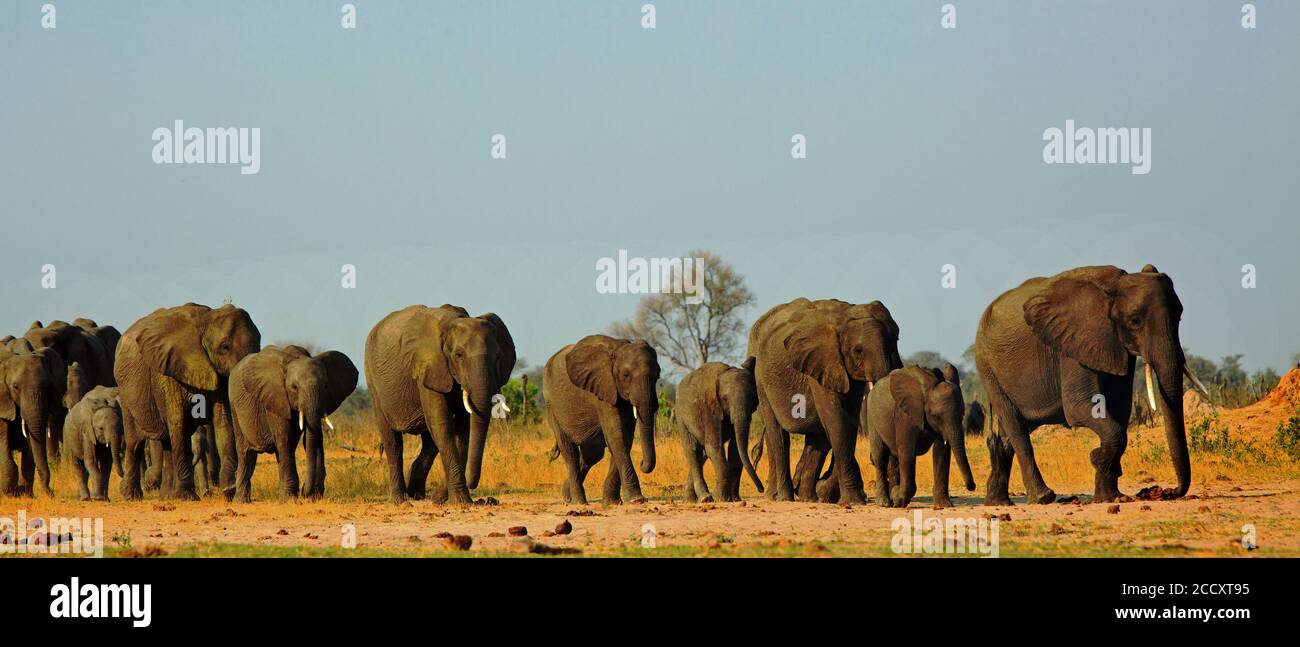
x,y
1206,437
1288,436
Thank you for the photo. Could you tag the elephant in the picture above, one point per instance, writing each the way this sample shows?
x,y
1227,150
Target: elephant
x,y
79,344
909,410
1047,350
172,370
203,449
32,386
599,392
813,363
432,372
92,440
268,391
107,335
715,404
972,422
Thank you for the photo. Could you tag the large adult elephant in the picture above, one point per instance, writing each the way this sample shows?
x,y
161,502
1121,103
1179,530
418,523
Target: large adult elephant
x,y
32,387
1047,349
432,372
813,362
599,393
715,405
280,394
78,343
172,368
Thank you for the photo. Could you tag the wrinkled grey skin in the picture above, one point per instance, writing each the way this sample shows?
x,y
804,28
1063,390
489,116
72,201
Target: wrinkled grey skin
x,y
909,410
600,392
812,364
1045,349
432,373
280,395
201,447
32,387
92,440
166,362
714,407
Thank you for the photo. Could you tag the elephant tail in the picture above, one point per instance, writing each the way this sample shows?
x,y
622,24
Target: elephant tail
x,y
756,452
554,453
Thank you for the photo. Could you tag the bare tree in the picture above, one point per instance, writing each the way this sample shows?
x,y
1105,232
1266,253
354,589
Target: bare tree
x,y
686,334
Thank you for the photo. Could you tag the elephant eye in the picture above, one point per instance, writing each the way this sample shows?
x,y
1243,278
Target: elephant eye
x,y
857,350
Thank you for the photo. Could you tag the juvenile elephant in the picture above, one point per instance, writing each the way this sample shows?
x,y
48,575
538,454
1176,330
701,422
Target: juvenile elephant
x,y
172,368
432,372
1049,348
909,410
813,361
715,404
203,449
599,392
32,387
279,394
92,441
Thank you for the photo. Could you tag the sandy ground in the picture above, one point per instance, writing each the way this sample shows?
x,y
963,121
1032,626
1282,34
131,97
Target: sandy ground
x,y
1210,523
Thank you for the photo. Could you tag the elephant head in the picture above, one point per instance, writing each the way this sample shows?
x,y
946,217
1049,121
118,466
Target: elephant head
x,y
196,345
1103,316
476,353
858,343
738,397
973,421
931,400
622,374
32,386
74,344
106,422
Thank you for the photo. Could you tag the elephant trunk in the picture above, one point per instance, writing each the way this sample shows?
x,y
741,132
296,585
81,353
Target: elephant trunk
x,y
478,400
645,421
1168,367
115,448
741,419
957,442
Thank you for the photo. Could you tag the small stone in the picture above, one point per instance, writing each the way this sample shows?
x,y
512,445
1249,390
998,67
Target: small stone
x,y
518,531
459,542
564,528
1114,509
282,532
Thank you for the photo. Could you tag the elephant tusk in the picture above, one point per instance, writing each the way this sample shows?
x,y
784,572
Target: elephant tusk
x,y
1151,384
870,385
464,399
330,424
1195,382
299,420
23,424
634,412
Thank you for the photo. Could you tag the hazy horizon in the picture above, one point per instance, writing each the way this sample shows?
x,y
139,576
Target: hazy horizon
x,y
924,149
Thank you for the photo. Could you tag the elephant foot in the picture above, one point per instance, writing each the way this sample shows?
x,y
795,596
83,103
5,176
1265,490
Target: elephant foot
x,y
850,498
83,497
439,496
942,502
997,500
459,497
1110,495
418,494
883,500
779,495
730,498
1043,497
184,495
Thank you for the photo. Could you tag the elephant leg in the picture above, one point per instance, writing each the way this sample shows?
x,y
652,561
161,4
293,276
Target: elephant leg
x,y
8,468
167,475
26,470
39,454
695,489
828,486
880,459
906,474
99,491
286,450
572,490
442,427
416,484
939,460
392,450
815,450
180,468
1036,490
133,450
734,467
79,472
154,473
776,442
718,456
1106,457
317,458
214,465
622,483
247,463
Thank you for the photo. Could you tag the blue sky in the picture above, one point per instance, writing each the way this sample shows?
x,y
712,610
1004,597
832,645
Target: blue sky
x,y
924,149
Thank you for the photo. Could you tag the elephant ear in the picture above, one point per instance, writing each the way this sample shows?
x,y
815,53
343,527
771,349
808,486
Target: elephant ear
x,y
908,391
8,409
814,350
591,367
422,338
1073,317
261,376
342,378
949,373
172,344
506,363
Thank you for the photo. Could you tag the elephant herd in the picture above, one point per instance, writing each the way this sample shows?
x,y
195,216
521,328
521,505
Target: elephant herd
x,y
192,385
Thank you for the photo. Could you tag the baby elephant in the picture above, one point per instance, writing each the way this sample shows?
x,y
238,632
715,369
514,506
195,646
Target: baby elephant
x,y
715,403
907,411
92,440
278,396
